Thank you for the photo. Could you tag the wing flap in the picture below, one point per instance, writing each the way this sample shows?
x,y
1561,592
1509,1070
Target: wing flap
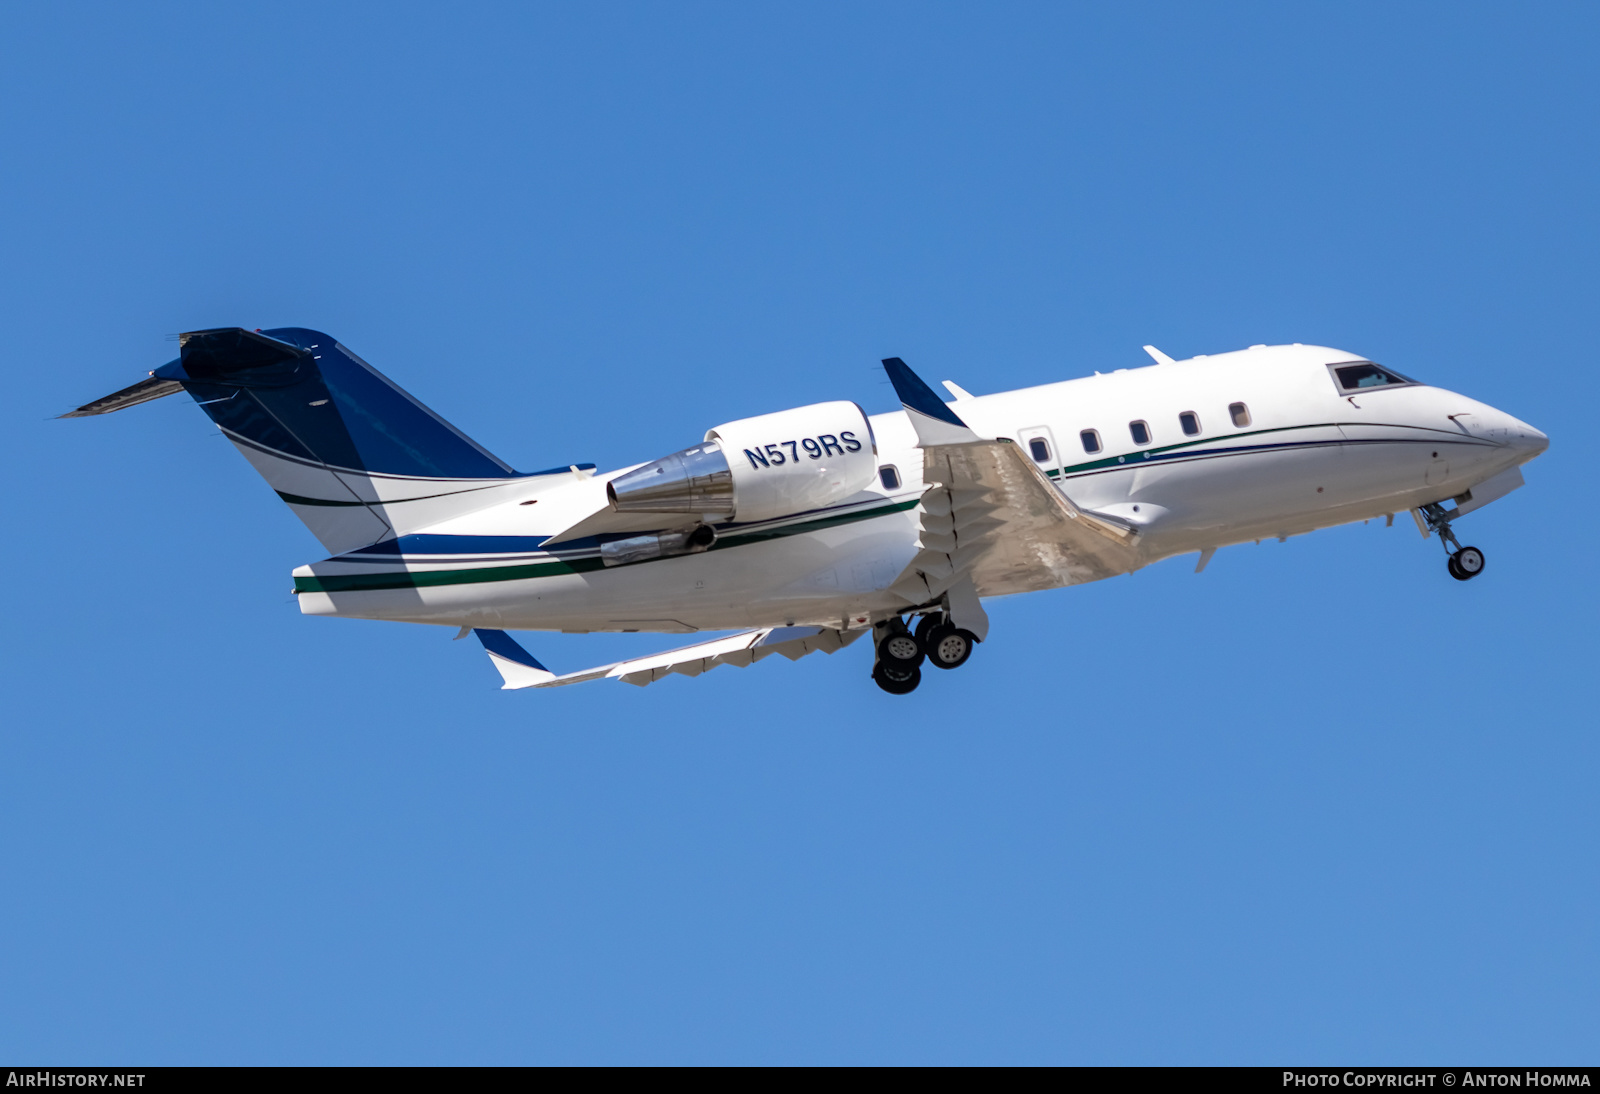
x,y
991,514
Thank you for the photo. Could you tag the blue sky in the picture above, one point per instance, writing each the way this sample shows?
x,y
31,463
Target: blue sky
x,y
1319,804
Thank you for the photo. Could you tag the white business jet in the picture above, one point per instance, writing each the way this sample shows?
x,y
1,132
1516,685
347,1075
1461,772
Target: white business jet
x,y
815,526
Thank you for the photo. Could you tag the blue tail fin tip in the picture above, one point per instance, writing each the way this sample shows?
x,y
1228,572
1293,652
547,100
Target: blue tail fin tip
x,y
916,395
502,644
300,393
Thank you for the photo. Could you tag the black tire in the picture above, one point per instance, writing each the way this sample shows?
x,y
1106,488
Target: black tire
x,y
949,647
1450,564
925,624
1466,564
896,681
900,650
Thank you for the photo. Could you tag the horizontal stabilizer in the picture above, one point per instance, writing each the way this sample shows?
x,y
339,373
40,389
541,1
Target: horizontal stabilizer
x,y
220,354
519,669
225,351
142,392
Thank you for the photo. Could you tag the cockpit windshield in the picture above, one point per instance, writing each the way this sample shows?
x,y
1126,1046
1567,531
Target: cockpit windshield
x,y
1364,375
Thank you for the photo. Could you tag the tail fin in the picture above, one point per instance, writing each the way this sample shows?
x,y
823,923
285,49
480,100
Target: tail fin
x,y
358,459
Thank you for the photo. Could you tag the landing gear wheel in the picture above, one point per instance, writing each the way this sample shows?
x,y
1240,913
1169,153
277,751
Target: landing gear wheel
x,y
896,680
1466,564
900,650
948,647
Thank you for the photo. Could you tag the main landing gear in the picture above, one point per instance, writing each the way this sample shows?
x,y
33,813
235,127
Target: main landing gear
x,y
899,666
901,653
946,645
1465,563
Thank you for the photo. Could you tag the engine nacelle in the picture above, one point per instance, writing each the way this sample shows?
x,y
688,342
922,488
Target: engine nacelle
x,y
758,468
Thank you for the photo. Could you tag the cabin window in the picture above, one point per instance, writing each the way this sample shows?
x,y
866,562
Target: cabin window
x,y
1091,441
1040,449
1190,421
1364,375
1140,431
1240,414
889,475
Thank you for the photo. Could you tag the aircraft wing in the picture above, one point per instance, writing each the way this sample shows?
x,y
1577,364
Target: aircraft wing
x,y
519,669
991,514
992,521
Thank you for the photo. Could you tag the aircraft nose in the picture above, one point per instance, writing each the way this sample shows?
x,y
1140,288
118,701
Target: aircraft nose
x,y
1517,435
1496,425
1529,440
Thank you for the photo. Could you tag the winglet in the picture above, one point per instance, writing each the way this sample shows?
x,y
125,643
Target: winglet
x,y
518,668
934,422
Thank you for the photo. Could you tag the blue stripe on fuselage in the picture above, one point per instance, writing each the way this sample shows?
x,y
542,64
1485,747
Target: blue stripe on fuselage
x,y
455,545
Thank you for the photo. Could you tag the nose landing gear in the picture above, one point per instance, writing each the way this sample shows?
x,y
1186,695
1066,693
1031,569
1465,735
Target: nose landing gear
x,y
1465,563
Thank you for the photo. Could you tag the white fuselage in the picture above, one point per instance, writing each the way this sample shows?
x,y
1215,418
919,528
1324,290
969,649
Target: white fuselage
x,y
1304,456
